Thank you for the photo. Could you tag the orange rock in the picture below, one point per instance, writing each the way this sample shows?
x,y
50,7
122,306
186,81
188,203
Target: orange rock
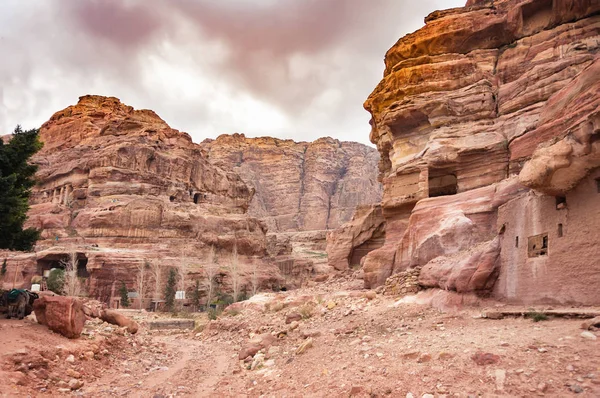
x,y
61,314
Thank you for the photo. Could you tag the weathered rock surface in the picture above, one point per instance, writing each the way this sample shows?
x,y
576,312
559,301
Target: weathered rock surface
x,y
113,317
347,245
61,314
301,190
300,186
475,109
126,192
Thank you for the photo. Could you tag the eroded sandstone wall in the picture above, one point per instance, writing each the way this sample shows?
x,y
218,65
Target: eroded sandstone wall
x,y
123,190
300,186
477,108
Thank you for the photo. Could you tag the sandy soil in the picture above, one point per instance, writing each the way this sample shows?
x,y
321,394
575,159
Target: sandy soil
x,y
361,346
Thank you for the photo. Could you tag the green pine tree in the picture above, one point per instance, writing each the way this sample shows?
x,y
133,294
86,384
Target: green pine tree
x,y
124,295
16,181
170,290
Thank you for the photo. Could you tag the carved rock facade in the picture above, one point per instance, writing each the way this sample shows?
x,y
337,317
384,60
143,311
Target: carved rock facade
x,y
488,124
129,195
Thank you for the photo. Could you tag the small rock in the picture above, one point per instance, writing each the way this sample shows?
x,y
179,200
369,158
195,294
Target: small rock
x,y
258,361
331,305
576,388
410,395
542,387
586,325
588,335
70,359
370,295
308,343
445,355
75,384
425,357
73,373
500,375
291,317
481,358
427,396
294,325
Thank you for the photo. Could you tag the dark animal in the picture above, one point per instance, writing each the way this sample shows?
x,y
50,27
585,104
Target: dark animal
x,y
19,302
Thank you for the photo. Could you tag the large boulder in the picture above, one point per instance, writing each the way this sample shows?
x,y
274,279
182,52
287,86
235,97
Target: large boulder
x,y
61,314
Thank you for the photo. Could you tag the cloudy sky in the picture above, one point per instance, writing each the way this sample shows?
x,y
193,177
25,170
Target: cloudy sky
x,y
297,69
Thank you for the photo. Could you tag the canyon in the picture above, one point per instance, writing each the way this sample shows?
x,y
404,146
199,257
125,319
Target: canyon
x,y
455,260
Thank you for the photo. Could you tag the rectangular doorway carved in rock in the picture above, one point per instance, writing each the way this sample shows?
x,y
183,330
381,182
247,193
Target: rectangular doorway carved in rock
x,y
538,245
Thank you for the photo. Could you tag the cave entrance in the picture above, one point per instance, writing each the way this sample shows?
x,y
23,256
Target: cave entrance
x,y
50,261
442,184
199,197
59,260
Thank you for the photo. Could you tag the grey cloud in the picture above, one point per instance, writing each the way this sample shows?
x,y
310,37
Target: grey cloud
x,y
76,47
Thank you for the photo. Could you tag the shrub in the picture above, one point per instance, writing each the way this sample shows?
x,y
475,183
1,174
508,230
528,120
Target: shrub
x,y
212,313
56,280
170,290
124,295
306,311
536,316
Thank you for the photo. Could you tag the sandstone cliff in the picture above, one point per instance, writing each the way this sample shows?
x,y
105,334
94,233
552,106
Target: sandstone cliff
x,y
481,115
125,192
300,186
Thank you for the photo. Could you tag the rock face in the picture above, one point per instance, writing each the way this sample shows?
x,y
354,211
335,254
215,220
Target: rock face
x,y
61,314
301,190
129,196
347,245
300,186
487,123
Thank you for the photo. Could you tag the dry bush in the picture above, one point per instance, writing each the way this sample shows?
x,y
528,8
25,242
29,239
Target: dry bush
x,y
72,285
307,310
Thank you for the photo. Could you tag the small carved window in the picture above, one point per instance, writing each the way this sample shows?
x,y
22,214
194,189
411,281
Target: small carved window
x,y
598,184
560,230
561,202
517,241
538,245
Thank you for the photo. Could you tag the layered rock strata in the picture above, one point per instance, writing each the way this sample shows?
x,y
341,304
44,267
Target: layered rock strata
x,y
487,124
124,194
300,186
301,191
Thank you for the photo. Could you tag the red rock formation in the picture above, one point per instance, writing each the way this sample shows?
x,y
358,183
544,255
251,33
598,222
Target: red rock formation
x,y
300,186
347,245
121,189
61,314
301,190
479,106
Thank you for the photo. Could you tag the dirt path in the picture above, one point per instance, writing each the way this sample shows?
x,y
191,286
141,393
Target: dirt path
x,y
360,345
192,369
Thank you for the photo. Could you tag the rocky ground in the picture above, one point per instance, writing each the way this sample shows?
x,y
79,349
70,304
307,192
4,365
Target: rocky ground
x,y
332,339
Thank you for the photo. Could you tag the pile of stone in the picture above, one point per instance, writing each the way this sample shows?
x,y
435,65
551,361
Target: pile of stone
x,y
402,283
